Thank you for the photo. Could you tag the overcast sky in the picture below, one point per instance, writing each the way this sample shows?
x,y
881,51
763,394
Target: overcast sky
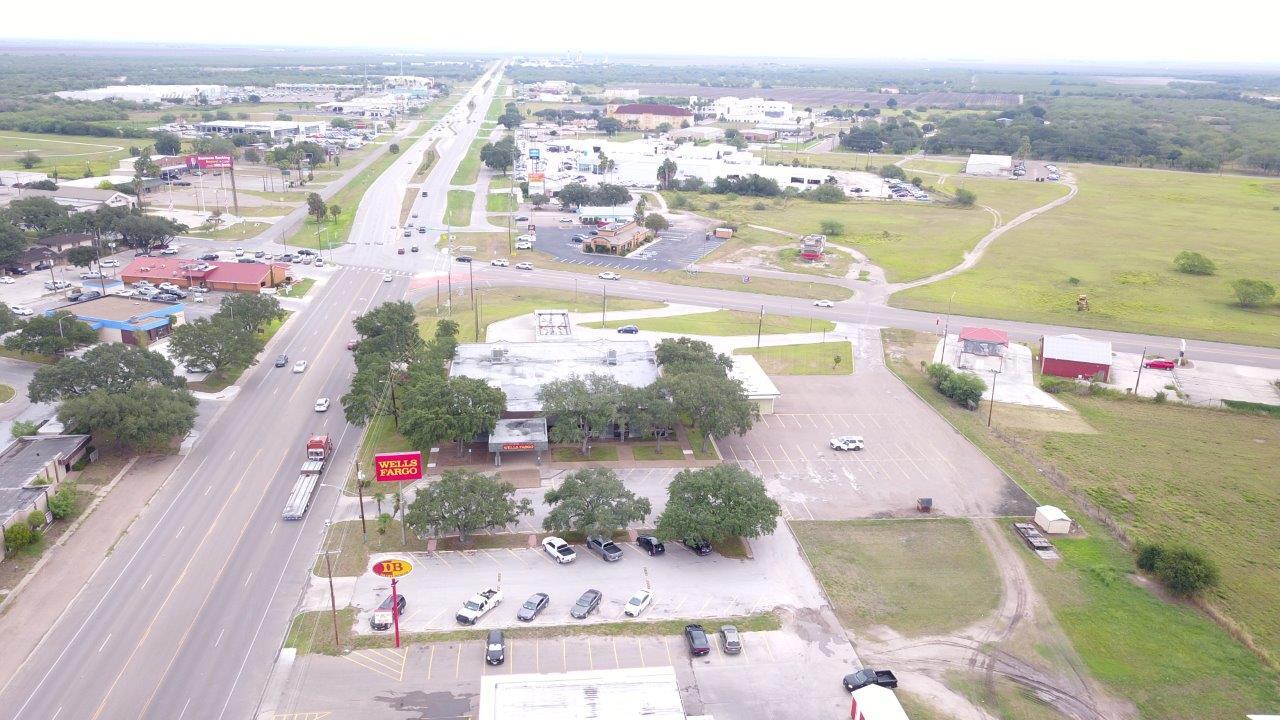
x,y
996,31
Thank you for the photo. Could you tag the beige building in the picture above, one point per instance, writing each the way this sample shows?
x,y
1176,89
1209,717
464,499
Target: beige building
x,y
648,116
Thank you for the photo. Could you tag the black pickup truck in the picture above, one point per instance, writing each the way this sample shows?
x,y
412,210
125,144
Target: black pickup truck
x,y
867,676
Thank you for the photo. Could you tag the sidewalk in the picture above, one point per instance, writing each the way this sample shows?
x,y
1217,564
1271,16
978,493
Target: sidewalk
x,y
64,569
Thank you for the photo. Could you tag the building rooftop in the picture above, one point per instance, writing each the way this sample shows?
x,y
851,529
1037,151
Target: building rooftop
x,y
652,109
22,460
153,268
519,430
649,693
520,369
978,334
552,325
1078,348
121,309
746,369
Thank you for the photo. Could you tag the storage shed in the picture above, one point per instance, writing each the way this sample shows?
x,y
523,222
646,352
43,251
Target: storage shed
x,y
1052,520
1075,356
983,341
988,164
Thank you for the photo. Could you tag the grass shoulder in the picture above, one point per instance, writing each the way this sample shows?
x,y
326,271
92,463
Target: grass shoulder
x,y
600,452
723,323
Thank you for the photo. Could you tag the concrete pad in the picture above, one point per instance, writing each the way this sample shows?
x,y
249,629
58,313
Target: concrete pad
x,y
1010,377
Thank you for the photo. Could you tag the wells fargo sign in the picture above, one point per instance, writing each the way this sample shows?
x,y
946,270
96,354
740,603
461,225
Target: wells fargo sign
x,y
397,467
517,446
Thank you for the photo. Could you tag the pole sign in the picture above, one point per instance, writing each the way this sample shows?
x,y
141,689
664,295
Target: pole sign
x,y
392,568
397,467
205,162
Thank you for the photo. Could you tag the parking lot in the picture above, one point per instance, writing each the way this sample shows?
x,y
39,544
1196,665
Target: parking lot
x,y
779,674
675,248
910,452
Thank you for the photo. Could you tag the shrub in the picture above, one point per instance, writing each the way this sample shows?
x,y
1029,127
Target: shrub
x,y
757,205
917,181
17,537
966,198
1055,385
394,148
1161,396
832,227
1073,280
1148,556
1193,263
713,205
679,201
23,428
1185,571
894,172
963,388
827,194
63,503
1251,293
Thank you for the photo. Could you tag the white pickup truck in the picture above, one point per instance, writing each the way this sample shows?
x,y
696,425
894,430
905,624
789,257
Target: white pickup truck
x,y
478,605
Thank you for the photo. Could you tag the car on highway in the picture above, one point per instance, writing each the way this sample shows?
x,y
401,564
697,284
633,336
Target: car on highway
x,y
608,275
282,360
495,648
499,262
629,329
559,550
408,232
730,640
259,253
605,548
696,637
650,544
533,607
413,248
699,547
637,604
399,251
21,310
847,442
522,218
300,366
387,278
7,280
1159,364
463,258
414,215
587,603
823,303
322,404
239,252
524,266
524,245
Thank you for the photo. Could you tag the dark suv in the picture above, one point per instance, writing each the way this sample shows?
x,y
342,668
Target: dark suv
x,y
282,360
651,544
495,648
605,548
697,638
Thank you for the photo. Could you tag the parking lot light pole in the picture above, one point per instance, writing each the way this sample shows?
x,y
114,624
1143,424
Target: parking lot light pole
x,y
1141,362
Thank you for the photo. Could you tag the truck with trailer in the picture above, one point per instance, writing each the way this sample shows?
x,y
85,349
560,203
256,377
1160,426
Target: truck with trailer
x,y
319,451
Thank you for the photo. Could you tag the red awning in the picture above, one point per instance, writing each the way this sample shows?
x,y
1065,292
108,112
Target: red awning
x,y
978,334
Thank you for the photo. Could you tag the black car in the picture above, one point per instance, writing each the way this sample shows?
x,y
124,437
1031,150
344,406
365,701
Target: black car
x,y
282,360
605,548
385,607
463,258
413,248
593,232
74,296
248,260
495,648
209,256
699,547
164,297
588,602
90,295
306,252
867,676
651,544
522,218
697,638
578,238
531,607
15,270
628,329
287,257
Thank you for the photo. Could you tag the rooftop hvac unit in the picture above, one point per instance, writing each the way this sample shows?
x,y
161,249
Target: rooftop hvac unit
x,y
611,357
498,354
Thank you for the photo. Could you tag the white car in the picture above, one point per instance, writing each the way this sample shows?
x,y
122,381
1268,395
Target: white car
x,y
169,251
239,252
609,276
524,266
168,286
322,404
91,275
524,245
7,280
122,292
386,278
638,602
499,263
823,303
559,550
300,366
566,222
319,262
109,263
848,442
525,238
21,310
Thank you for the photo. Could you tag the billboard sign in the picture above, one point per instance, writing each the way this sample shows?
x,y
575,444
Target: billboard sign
x,y
205,162
397,467
392,568
534,153
537,177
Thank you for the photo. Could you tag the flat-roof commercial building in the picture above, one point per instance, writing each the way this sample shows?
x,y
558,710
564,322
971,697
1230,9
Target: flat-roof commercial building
x,y
521,369
648,693
132,321
31,468
270,128
755,382
150,93
186,272
76,199
988,164
756,109
648,116
1075,356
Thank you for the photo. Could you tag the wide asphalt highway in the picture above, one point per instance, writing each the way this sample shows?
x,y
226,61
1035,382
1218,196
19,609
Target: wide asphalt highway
x,y
185,617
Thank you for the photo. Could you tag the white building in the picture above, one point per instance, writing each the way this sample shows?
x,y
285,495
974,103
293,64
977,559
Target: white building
x,y
732,109
369,106
988,164
150,93
649,693
270,128
621,93
755,381
1052,520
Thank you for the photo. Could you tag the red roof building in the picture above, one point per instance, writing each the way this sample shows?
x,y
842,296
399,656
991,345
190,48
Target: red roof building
x,y
983,341
188,272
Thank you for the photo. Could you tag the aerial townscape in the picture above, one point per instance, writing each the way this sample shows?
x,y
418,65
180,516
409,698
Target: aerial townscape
x,y
659,363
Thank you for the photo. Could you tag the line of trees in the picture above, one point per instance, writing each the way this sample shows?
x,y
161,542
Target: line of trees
x,y
230,338
605,194
26,219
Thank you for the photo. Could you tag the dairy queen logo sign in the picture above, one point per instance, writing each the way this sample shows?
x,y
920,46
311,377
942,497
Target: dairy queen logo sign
x,y
397,467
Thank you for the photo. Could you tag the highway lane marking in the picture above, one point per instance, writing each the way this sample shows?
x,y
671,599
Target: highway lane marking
x,y
104,642
173,587
184,709
666,642
431,660
207,489
179,533
85,623
246,580
640,650
56,714
218,641
143,586
457,666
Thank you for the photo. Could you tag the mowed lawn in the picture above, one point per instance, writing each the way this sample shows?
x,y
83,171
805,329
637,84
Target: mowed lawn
x,y
722,323
917,577
1206,478
1010,198
807,359
1116,242
458,212
501,303
909,240
69,155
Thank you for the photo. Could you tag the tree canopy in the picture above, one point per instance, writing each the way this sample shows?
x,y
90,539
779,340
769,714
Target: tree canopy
x,y
148,417
717,503
113,367
51,334
463,501
679,355
593,501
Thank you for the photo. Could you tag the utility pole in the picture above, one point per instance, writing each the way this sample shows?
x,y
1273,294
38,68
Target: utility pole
x,y
604,303
992,405
333,600
759,327
1141,362
947,328
471,281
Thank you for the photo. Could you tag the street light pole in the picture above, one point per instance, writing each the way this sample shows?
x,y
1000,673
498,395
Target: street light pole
x,y
947,328
991,406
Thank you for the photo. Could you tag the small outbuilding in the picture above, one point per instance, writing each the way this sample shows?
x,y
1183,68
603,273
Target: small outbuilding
x,y
1052,520
988,164
755,381
875,703
983,341
1075,356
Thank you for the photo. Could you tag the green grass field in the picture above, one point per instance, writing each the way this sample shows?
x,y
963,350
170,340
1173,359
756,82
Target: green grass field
x,y
835,160
781,252
300,288
500,303
239,231
908,240
597,453
72,156
500,202
1116,242
914,576
458,213
1201,670
481,246
469,168
6,393
806,359
723,323
941,167
1007,197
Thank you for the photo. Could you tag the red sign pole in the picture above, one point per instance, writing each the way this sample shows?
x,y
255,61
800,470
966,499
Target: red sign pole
x,y
395,610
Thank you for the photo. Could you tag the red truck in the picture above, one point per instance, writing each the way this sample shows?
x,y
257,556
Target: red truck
x,y
319,450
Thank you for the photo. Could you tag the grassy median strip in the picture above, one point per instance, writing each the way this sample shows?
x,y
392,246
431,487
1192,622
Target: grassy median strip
x,y
6,393
831,358
469,168
458,213
724,323
298,289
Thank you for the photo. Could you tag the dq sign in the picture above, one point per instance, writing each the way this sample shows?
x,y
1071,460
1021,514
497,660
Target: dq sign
x,y
397,467
392,568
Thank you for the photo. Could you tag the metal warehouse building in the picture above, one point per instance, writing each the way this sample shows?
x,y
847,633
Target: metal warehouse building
x,y
1075,356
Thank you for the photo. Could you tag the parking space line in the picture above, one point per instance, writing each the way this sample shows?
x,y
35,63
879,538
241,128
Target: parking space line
x,y
516,555
640,650
511,661
616,662
666,642
769,648
591,661
431,660
537,656
457,665
564,656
